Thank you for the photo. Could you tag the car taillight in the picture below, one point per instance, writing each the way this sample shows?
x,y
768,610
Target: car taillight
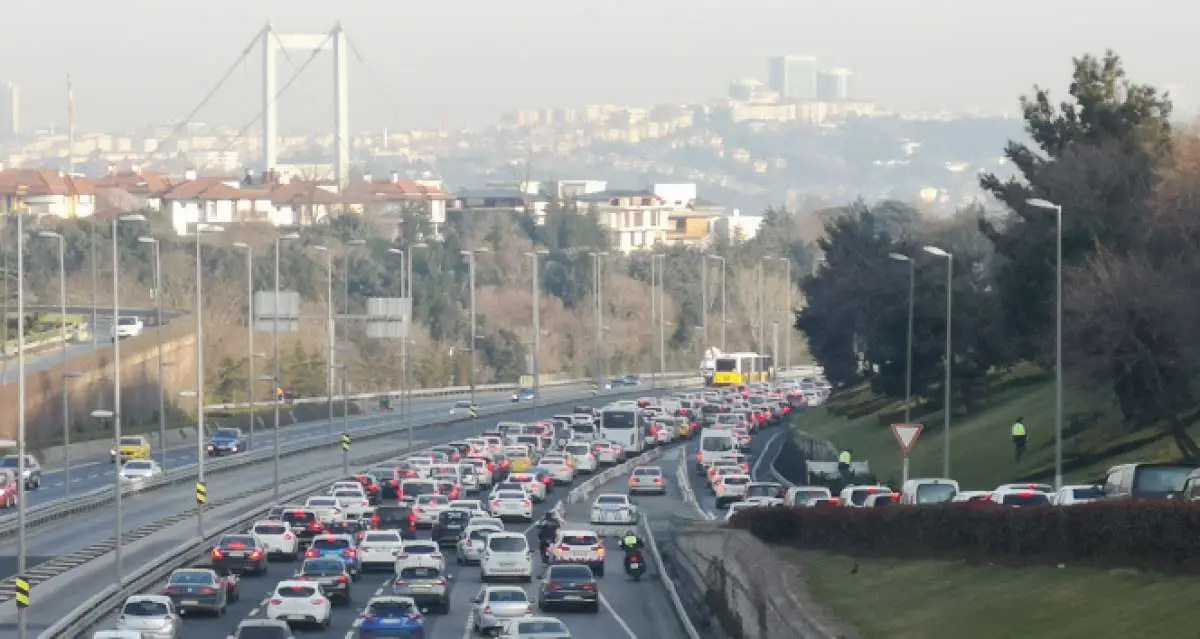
x,y
495,503
365,503
554,586
895,496
276,602
658,480
491,466
316,601
208,591
217,554
836,501
351,553
343,579
527,503
443,582
412,518
310,553
372,488
400,494
171,591
547,480
402,556
395,484
375,519
287,536
563,548
257,554
529,610
487,611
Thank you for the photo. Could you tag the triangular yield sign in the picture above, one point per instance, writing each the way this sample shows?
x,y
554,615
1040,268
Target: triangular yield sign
x,y
907,435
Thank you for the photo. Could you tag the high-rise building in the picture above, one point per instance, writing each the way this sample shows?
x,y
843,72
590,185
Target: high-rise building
x,y
833,85
794,77
10,111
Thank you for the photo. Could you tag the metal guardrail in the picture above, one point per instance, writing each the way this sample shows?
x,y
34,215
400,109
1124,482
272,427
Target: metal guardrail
x,y
53,511
88,614
433,392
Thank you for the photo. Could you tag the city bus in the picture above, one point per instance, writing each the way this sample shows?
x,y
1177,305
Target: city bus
x,y
625,426
738,369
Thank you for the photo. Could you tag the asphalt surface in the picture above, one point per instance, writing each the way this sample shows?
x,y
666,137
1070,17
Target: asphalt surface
x,y
92,472
761,454
633,610
54,356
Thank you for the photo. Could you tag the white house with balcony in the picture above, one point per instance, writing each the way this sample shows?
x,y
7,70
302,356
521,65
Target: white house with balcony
x,y
638,220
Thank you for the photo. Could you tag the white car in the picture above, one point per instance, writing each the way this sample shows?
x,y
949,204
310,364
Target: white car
x,y
379,548
579,547
511,504
469,478
487,521
419,553
585,461
614,509
1079,494
534,628
277,538
470,546
605,452
140,470
855,496
127,326
482,471
496,605
154,616
428,507
461,406
559,469
327,509
299,602
739,506
116,634
506,554
353,502
647,479
529,482
469,505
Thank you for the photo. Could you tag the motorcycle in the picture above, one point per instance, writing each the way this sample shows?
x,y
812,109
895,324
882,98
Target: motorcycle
x,y
635,564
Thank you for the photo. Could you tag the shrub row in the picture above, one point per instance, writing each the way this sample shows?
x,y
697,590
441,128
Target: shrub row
x,y
1151,535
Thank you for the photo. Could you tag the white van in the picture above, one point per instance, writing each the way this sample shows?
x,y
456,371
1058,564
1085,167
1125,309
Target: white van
x,y
715,446
507,554
806,495
928,491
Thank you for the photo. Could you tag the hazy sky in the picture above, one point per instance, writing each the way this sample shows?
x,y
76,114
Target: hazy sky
x,y
461,62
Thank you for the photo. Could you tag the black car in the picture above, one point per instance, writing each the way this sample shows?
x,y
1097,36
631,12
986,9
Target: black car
x,y
304,523
399,517
569,585
226,441
449,526
239,553
330,574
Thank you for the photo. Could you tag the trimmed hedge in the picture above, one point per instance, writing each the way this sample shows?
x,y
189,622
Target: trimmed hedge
x,y
1152,535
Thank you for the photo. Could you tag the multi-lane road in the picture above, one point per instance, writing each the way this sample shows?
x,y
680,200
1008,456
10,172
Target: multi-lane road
x,y
90,473
53,355
632,610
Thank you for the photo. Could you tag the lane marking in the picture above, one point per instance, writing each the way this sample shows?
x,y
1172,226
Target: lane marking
x,y
762,455
620,622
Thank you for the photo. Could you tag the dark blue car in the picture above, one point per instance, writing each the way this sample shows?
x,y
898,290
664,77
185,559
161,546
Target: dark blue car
x,y
390,616
226,441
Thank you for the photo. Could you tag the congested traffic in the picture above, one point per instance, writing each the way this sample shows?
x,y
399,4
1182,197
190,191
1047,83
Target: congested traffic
x,y
382,552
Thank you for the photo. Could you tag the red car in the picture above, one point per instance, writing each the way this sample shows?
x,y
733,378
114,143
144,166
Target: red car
x,y
8,489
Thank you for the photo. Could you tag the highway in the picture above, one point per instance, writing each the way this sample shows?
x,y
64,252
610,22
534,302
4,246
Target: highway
x,y
90,473
632,610
53,355
761,453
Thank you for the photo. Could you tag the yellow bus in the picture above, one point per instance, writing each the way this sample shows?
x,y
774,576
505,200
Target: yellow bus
x,y
739,369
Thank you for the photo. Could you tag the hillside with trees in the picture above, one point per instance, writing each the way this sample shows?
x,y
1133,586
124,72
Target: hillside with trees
x,y
1127,185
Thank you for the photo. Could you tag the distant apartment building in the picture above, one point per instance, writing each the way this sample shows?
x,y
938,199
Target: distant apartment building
x,y
793,76
833,85
738,227
690,219
637,219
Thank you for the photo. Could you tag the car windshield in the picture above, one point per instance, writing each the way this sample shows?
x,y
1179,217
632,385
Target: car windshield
x,y
421,549
935,493
580,540
481,533
1025,499
323,567
127,321
735,480
859,497
226,434
649,472
420,573
507,596
298,517
802,497
146,608
763,490
240,541
578,449
510,494
418,488
330,543
131,441
432,500
270,529
348,493
1091,492
136,465
507,544
570,572
540,627
381,537
9,461
717,444
296,591
191,578
392,513
454,517
262,632
611,500
1157,481
390,608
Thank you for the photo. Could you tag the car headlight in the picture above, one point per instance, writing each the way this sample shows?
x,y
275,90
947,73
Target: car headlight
x,y
112,452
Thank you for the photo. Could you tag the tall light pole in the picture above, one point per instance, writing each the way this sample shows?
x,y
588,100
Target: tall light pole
x,y
406,291
789,315
21,558
470,255
598,278
947,409
66,408
201,229
724,301
115,413
95,282
275,381
404,340
912,291
62,302
1058,338
162,401
331,328
536,299
662,311
250,355
704,300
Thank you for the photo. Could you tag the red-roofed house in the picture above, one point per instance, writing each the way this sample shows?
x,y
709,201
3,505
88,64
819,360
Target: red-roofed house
x,y
216,200
396,197
46,192
133,189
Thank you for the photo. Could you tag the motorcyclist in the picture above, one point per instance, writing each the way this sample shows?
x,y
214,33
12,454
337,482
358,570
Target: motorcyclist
x,y
547,530
632,545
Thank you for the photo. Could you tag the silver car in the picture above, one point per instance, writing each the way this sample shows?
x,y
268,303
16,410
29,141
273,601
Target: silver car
x,y
154,616
647,479
535,628
495,605
471,545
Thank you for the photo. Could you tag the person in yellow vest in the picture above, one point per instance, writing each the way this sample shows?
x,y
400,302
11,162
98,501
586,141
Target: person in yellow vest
x,y
844,460
1019,438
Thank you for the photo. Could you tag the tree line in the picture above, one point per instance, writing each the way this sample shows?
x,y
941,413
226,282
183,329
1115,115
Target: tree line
x,y
1127,187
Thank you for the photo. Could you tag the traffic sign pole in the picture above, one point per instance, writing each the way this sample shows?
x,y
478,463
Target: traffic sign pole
x,y
906,435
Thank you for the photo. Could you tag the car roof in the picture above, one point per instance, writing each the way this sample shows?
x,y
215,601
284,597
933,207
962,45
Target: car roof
x,y
578,533
153,598
392,599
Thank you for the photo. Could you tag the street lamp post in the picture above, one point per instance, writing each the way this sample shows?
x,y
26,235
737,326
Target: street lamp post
x,y
21,508
704,300
470,255
275,381
201,229
912,289
947,409
66,408
661,260
249,336
789,319
162,401
724,301
62,346
331,328
115,413
1058,337
598,277
535,299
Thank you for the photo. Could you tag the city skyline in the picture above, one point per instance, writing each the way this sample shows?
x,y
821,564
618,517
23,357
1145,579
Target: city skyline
x,y
424,80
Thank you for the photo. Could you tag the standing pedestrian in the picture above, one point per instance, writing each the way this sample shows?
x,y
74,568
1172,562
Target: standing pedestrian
x,y
1019,438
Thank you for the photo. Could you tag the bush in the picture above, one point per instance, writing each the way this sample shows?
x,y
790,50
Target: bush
x,y
1153,535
